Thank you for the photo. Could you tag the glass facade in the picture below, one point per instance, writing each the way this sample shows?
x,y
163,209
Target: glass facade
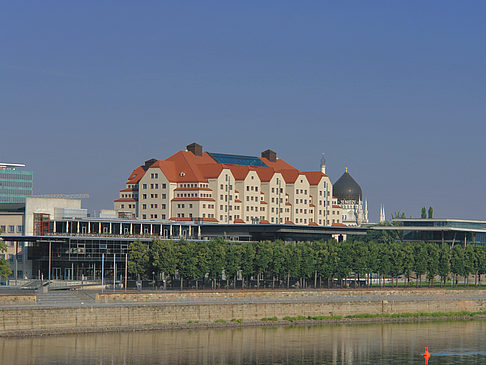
x,y
446,230
444,223
15,185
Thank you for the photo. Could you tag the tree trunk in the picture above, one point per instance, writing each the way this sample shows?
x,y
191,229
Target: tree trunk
x,y
182,281
288,280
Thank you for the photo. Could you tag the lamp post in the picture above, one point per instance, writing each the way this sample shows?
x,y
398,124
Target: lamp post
x,y
153,278
50,258
126,267
102,270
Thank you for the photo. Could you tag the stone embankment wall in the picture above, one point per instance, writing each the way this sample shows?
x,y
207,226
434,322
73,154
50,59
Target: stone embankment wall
x,y
100,317
7,299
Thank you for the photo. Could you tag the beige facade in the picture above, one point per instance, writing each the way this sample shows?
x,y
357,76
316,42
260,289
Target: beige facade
x,y
192,185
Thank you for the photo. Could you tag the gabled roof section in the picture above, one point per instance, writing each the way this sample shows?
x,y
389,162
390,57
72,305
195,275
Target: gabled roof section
x,y
186,166
136,175
314,177
289,173
290,176
240,172
265,173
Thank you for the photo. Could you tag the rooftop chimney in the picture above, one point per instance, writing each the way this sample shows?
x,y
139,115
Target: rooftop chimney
x,y
270,155
149,163
195,148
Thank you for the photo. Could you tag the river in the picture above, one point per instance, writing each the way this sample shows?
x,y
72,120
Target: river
x,y
451,342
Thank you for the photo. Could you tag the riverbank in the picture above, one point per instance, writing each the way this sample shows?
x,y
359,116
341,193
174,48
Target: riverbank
x,y
167,310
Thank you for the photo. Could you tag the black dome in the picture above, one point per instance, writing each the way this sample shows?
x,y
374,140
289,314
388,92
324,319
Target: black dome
x,y
346,188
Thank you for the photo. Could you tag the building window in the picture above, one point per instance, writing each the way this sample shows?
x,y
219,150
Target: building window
x,y
144,216
164,186
164,196
163,216
123,206
145,186
144,206
11,229
163,206
19,229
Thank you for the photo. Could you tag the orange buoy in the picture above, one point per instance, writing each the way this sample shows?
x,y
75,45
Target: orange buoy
x,y
426,355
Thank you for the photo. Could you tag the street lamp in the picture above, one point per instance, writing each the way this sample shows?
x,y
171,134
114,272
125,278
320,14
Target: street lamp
x,y
153,278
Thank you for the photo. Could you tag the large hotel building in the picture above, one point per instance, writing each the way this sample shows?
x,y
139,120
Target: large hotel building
x,y
221,188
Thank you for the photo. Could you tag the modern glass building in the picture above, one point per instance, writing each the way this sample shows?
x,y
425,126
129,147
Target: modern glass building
x,y
15,184
451,231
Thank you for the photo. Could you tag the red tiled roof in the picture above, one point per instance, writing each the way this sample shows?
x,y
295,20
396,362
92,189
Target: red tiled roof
x,y
312,205
237,201
336,206
125,200
192,199
210,220
263,202
264,222
136,175
265,173
127,189
185,219
240,172
338,225
314,177
239,221
287,203
313,224
289,222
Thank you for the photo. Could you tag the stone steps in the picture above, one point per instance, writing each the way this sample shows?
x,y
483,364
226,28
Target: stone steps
x,y
59,298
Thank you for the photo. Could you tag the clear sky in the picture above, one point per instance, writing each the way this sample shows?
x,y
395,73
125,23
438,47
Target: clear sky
x,y
393,90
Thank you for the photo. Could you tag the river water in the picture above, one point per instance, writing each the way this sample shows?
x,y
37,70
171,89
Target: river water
x,y
452,342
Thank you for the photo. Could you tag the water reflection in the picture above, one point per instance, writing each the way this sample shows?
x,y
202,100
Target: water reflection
x,y
449,343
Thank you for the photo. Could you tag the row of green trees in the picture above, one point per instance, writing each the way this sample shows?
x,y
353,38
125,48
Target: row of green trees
x,y
218,263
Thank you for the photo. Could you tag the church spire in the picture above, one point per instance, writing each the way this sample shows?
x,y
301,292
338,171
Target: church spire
x,y
382,214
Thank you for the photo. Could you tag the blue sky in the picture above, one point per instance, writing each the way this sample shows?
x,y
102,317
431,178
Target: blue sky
x,y
395,91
